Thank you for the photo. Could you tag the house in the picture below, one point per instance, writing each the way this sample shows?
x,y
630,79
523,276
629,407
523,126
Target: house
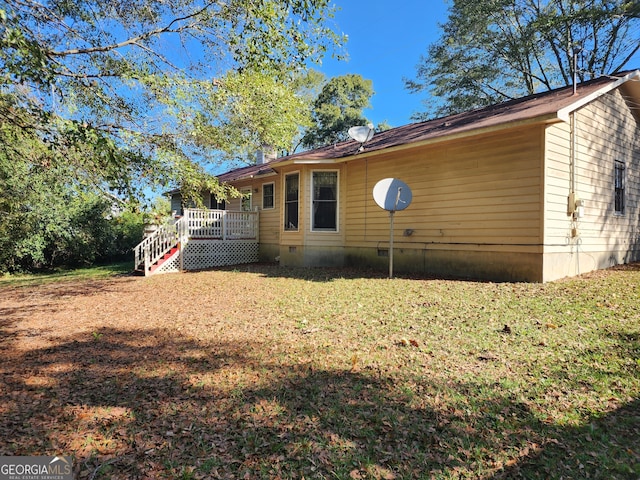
x,y
534,189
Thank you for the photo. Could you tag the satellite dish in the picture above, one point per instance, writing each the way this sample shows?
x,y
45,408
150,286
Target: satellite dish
x,y
392,194
361,134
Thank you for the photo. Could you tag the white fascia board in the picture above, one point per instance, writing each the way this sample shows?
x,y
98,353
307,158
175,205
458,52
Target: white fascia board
x,y
565,113
260,175
315,162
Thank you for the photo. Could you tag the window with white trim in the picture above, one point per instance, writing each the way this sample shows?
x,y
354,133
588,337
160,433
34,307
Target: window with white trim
x,y
291,201
619,187
324,204
246,204
268,196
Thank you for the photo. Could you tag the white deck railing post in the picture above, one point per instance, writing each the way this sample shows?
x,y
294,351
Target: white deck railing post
x,y
256,225
224,225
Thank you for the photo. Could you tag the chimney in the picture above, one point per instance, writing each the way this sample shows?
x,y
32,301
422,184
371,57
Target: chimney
x,y
266,154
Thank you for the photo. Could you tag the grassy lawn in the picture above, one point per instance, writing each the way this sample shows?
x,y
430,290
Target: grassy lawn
x,y
268,372
89,273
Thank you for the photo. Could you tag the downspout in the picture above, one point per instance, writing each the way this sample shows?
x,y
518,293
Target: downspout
x,y
366,195
573,200
572,163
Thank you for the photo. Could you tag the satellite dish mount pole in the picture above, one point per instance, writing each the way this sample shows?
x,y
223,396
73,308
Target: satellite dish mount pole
x,y
391,212
391,244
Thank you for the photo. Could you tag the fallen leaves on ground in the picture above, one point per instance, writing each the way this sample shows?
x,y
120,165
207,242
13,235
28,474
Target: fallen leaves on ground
x,y
264,372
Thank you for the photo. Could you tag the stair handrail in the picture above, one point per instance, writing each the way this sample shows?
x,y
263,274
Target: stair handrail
x,y
152,248
195,224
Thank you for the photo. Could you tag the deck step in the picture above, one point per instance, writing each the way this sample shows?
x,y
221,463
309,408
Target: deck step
x,y
163,259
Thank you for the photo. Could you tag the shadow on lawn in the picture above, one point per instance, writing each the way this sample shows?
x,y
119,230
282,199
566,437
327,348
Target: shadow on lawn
x,y
328,274
312,274
144,404
25,301
611,440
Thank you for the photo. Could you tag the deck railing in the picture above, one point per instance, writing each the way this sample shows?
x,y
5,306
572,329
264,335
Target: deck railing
x,y
221,224
152,248
196,224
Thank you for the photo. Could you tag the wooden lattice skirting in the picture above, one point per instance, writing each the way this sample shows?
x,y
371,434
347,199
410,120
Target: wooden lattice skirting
x,y
203,254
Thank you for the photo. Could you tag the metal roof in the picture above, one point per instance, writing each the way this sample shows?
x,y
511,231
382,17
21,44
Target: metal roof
x,y
549,106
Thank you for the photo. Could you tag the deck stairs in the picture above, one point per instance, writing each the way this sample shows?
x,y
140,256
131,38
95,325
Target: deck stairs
x,y
173,251
160,247
200,239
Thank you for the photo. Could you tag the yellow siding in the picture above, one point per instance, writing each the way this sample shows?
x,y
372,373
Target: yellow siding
x,y
605,131
478,193
269,218
493,206
270,226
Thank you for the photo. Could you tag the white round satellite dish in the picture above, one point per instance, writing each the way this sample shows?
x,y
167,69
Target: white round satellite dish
x,y
361,134
392,194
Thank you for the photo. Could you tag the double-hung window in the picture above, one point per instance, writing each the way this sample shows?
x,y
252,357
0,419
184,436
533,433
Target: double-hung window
x,y
291,200
619,187
324,206
268,196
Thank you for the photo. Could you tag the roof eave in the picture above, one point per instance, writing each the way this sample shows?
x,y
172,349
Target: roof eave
x,y
565,113
249,177
548,118
306,161
311,161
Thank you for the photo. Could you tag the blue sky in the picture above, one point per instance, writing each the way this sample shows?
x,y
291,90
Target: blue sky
x,y
386,40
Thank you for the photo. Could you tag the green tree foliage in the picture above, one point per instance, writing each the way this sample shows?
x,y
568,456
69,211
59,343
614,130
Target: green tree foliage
x,y
47,221
101,99
126,80
259,110
494,50
338,107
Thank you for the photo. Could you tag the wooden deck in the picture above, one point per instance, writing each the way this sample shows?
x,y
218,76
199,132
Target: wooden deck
x,y
198,240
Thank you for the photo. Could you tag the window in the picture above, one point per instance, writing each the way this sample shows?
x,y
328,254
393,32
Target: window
x,y
619,187
325,201
268,196
218,204
245,204
176,204
291,199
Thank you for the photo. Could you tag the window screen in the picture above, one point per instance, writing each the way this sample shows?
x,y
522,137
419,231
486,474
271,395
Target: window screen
x,y
325,200
291,195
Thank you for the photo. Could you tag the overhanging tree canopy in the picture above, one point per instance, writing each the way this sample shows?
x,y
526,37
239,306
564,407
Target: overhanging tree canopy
x,y
100,99
494,50
338,106
122,90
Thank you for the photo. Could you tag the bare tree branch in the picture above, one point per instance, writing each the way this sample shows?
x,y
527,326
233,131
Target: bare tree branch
x,y
135,40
